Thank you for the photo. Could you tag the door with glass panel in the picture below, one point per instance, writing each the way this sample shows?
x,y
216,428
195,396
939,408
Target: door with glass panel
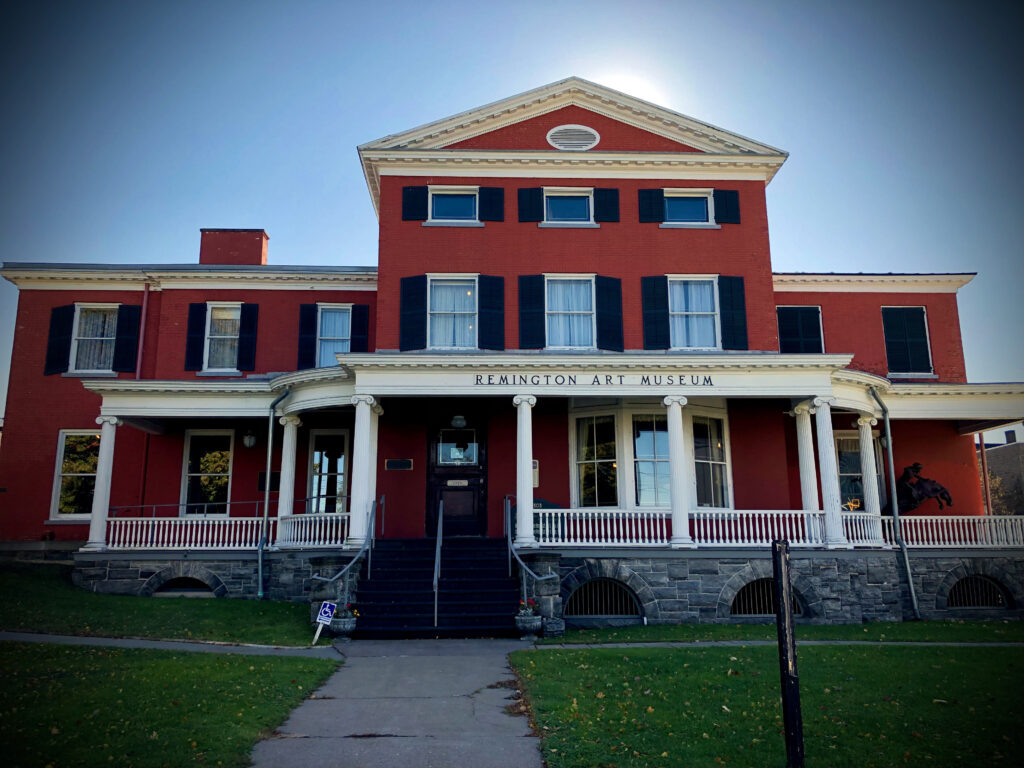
x,y
596,463
457,475
328,472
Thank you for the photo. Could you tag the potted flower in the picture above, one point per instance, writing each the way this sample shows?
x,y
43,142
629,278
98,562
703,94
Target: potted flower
x,y
528,620
344,622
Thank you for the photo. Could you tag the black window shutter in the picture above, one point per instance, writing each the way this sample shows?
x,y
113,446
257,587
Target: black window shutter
x,y
799,330
733,312
906,340
652,205
308,334
531,312
248,320
606,204
608,303
654,296
727,206
414,203
491,204
359,339
126,345
58,343
490,312
412,319
195,338
531,204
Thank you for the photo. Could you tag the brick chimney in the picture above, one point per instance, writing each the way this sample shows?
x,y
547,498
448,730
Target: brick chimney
x,y
233,246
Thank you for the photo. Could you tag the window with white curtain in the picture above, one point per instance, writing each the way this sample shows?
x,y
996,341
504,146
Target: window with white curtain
x,y
710,462
693,313
223,325
334,334
569,303
452,313
92,347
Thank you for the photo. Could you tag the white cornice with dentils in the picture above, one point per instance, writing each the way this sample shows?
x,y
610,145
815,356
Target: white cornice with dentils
x,y
807,282
61,278
715,146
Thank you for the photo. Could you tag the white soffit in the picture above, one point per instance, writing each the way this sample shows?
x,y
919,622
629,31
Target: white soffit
x,y
806,282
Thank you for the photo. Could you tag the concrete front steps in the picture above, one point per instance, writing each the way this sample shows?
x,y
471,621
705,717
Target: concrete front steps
x,y
476,596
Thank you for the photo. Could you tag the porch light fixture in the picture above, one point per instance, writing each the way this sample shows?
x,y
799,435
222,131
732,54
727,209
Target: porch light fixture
x,y
249,440
458,422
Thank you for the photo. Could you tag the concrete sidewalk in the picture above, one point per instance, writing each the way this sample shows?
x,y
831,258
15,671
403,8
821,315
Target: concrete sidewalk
x,y
422,703
191,646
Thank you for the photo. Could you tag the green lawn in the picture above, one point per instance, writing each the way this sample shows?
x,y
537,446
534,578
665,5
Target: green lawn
x,y
862,706
64,706
41,598
912,631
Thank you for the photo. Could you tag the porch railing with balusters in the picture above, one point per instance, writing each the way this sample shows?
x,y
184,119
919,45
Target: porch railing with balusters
x,y
187,526
607,528
958,531
730,528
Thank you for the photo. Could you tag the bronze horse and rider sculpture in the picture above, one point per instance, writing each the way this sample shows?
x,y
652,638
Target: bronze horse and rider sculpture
x,y
912,491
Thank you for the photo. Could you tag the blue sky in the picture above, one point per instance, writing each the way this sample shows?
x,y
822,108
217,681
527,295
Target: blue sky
x,y
129,125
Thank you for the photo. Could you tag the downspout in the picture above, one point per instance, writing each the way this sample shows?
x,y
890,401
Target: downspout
x,y
266,493
138,375
894,505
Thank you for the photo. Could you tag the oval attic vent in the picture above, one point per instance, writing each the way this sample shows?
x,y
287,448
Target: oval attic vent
x,y
574,137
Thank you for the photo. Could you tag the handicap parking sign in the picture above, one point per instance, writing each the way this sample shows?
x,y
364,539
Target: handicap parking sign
x,y
326,612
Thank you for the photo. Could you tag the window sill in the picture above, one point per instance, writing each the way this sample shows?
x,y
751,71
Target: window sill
x,y
452,224
687,225
568,225
912,376
85,520
220,374
89,375
694,349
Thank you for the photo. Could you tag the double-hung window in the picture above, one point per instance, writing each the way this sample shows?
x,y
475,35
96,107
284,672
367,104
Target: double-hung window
x,y
452,313
223,324
906,341
78,453
689,207
95,333
693,313
453,205
206,478
568,205
569,308
334,332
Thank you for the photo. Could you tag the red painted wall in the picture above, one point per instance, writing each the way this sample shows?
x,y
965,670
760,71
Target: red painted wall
x,y
947,457
761,455
616,136
852,322
627,250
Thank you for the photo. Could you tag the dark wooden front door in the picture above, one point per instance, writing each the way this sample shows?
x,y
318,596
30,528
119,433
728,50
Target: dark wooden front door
x,y
457,475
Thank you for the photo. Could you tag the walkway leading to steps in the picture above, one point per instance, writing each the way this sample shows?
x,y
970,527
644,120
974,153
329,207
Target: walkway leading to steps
x,y
421,703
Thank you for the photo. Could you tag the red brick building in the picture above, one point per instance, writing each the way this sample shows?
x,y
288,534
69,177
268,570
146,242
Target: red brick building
x,y
573,322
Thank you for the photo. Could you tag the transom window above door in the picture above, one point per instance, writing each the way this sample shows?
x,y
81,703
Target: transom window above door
x,y
452,315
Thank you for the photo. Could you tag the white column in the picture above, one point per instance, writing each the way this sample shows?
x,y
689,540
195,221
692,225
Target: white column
x,y
375,414
286,492
104,474
805,452
867,470
830,496
680,466
524,470
362,456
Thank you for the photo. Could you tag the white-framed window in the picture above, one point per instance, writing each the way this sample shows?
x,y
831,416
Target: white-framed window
x,y
453,205
93,338
206,471
328,471
689,207
619,445
693,312
569,206
223,325
569,312
74,478
334,332
851,476
452,312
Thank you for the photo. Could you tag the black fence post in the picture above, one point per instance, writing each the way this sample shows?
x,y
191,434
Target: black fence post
x,y
791,717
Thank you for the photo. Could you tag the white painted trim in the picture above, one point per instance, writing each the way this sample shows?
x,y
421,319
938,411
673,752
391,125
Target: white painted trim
x,y
593,310
210,306
84,517
320,307
927,338
64,279
867,283
456,277
346,468
713,279
73,355
183,493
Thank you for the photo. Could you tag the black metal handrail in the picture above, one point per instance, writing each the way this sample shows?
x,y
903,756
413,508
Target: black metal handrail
x,y
437,553
365,549
524,569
